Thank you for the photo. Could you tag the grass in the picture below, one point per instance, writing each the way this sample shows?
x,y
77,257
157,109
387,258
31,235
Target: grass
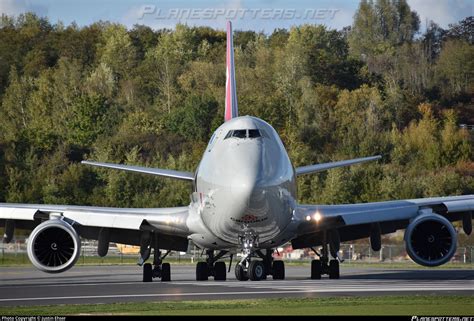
x,y
371,305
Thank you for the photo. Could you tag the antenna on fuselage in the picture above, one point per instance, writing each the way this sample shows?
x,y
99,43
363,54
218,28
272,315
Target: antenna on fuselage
x,y
231,109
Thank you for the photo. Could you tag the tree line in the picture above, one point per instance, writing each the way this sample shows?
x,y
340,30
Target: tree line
x,y
153,98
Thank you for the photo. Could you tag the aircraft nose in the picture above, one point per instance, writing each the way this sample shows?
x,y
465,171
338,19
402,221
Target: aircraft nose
x,y
243,185
248,193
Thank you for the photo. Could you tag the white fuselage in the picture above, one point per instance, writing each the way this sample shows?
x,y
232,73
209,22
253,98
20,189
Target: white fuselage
x,y
245,186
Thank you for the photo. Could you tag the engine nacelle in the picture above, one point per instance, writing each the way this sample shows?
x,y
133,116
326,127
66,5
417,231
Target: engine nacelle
x,y
430,240
54,246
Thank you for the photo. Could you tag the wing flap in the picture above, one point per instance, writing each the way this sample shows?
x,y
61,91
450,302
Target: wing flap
x,y
459,206
15,213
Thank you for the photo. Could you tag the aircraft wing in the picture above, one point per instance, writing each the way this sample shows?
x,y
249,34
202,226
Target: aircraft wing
x,y
325,166
126,225
353,221
188,176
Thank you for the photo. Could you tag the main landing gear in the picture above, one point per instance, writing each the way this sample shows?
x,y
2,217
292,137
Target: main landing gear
x,y
246,269
257,270
158,270
211,267
324,265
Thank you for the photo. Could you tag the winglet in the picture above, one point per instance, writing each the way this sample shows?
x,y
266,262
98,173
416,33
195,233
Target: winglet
x,y
231,109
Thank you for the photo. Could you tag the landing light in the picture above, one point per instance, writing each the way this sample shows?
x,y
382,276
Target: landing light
x,y
317,217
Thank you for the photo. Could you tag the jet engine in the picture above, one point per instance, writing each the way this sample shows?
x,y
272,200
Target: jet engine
x,y
54,246
430,240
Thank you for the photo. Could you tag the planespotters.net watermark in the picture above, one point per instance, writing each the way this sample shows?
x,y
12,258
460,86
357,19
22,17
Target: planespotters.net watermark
x,y
416,318
154,12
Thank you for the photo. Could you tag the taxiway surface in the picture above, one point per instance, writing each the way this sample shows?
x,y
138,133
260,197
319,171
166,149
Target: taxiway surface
x,y
107,284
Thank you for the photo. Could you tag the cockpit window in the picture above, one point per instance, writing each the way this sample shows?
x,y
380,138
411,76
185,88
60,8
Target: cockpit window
x,y
229,134
239,133
243,133
254,133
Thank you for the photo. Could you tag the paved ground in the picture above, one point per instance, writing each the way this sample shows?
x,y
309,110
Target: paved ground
x,y
106,284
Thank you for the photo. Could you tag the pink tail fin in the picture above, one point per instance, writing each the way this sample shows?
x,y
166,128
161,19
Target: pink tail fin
x,y
231,109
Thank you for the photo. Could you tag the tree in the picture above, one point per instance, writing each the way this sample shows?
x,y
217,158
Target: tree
x,y
418,145
89,120
454,67
360,117
101,82
14,107
154,97
381,25
194,119
455,145
433,40
171,54
324,55
118,52
337,187
463,30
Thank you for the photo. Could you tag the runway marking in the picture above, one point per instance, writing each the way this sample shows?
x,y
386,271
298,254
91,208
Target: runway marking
x,y
66,285
85,297
334,283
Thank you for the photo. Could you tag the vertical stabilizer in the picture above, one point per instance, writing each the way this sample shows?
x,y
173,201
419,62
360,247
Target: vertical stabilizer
x,y
231,109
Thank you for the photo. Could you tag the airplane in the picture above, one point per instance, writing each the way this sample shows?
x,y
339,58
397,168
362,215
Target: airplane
x,y
244,200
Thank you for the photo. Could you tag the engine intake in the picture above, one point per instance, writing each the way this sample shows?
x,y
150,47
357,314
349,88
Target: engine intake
x,y
430,240
54,246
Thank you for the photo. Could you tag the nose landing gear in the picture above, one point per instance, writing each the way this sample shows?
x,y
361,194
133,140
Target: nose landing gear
x,y
257,270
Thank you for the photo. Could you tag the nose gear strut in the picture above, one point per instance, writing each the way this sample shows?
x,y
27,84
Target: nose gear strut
x,y
257,270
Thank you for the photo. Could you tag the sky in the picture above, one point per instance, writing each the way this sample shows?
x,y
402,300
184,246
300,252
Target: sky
x,y
257,15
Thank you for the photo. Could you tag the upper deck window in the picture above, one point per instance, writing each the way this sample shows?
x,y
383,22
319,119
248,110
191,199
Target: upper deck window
x,y
243,133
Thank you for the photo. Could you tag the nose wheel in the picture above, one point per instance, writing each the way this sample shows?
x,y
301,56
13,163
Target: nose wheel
x,y
240,273
257,270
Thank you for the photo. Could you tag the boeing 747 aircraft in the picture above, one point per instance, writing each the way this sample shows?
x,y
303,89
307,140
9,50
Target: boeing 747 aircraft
x,y
244,200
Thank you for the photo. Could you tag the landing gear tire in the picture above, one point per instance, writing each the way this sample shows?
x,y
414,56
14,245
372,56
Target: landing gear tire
x,y
147,272
334,269
240,273
202,272
220,271
278,270
256,270
165,272
316,269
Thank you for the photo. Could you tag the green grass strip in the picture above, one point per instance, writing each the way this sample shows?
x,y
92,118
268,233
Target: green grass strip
x,y
434,305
